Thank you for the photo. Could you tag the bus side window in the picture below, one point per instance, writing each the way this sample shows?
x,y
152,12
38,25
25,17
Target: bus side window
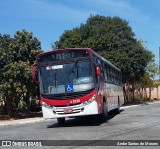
x,y
94,59
108,73
101,64
105,72
120,78
117,78
98,62
95,62
111,75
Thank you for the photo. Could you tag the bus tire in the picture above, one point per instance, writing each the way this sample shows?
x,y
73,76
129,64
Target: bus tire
x,y
61,121
117,110
104,115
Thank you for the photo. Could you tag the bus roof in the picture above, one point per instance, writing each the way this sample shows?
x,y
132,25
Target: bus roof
x,y
89,49
63,49
108,62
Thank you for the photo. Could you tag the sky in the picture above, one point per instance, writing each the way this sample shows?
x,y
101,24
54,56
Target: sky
x,y
48,19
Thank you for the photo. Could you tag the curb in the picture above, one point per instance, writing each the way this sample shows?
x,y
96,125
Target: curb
x,y
21,121
147,103
38,119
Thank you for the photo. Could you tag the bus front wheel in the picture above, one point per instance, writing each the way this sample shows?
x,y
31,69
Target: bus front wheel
x,y
61,121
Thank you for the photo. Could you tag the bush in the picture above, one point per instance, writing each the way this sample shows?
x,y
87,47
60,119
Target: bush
x,y
35,105
22,107
3,109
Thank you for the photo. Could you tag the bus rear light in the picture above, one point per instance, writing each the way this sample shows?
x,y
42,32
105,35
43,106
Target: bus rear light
x,y
89,101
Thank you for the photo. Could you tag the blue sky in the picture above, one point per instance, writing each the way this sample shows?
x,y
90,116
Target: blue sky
x,y
48,19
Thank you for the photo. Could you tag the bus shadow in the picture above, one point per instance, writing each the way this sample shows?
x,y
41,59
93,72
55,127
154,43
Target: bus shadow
x,y
112,114
84,121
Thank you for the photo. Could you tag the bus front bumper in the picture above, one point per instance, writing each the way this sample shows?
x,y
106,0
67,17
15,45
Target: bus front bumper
x,y
70,111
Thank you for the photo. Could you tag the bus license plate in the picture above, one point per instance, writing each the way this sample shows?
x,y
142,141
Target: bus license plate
x,y
68,110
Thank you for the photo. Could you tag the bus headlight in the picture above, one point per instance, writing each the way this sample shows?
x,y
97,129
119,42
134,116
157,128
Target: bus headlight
x,y
89,101
43,103
46,105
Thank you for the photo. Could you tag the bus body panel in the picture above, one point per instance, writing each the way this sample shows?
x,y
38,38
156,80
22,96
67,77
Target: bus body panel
x,y
62,102
114,93
106,91
76,110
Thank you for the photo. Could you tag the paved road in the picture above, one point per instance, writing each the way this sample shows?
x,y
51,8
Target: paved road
x,y
136,123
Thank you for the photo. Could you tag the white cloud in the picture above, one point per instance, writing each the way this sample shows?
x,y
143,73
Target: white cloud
x,y
71,10
121,8
55,10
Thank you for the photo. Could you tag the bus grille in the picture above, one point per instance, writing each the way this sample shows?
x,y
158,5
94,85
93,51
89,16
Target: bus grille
x,y
74,109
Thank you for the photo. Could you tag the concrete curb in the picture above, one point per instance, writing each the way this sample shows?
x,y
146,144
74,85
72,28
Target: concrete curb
x,y
131,106
38,119
21,121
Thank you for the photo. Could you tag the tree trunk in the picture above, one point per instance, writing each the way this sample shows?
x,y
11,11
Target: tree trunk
x,y
133,93
142,94
27,101
145,93
157,93
9,106
150,93
125,94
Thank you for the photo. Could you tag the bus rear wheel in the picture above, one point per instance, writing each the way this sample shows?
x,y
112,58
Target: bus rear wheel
x,y
104,115
117,110
61,121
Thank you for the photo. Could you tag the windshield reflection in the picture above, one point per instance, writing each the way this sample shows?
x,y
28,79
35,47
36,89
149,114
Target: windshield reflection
x,y
71,77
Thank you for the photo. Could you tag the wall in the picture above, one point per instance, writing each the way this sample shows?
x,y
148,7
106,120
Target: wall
x,y
154,93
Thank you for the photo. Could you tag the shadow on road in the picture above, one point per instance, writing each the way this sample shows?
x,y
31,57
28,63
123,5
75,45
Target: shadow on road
x,y
84,121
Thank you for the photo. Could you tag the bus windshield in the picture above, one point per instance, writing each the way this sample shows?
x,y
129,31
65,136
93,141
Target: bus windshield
x,y
69,77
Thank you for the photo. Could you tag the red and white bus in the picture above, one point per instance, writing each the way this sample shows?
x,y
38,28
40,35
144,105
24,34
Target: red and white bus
x,y
77,82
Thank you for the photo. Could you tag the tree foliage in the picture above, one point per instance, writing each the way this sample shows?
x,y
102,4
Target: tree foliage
x,y
16,56
112,38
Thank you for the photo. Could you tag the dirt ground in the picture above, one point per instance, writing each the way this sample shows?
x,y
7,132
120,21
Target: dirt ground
x,y
20,116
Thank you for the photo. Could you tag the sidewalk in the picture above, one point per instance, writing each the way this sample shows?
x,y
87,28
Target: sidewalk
x,y
20,121
38,119
147,103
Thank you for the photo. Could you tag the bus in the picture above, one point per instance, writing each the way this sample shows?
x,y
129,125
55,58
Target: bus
x,y
77,82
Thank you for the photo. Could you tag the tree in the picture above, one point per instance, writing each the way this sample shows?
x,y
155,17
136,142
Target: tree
x,y
17,55
157,84
113,39
5,58
146,82
5,41
152,71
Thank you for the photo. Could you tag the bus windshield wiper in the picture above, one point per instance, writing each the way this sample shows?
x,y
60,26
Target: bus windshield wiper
x,y
55,79
75,66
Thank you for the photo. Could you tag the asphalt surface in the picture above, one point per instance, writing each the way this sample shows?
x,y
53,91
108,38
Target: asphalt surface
x,y
133,123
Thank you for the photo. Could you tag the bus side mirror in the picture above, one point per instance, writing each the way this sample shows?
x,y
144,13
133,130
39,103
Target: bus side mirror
x,y
98,71
35,73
